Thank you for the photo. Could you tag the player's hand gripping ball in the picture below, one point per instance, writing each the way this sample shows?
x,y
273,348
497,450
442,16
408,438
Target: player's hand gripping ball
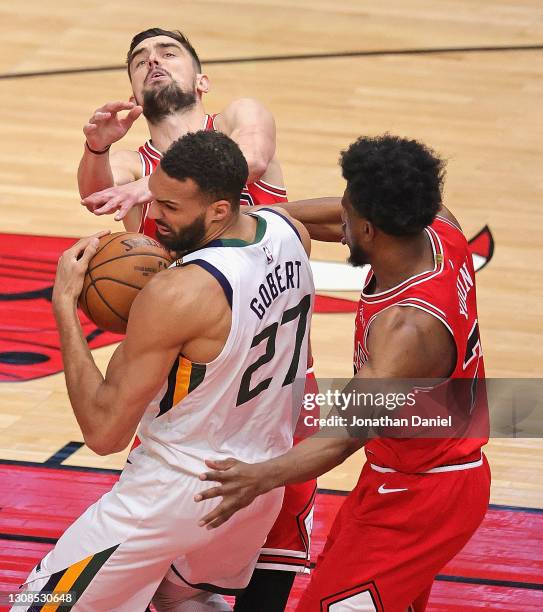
x,y
123,264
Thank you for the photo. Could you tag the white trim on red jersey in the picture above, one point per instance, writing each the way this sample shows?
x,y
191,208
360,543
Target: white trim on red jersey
x,y
442,468
382,296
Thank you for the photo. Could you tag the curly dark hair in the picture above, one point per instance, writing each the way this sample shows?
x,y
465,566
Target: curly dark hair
x,y
394,182
175,34
212,160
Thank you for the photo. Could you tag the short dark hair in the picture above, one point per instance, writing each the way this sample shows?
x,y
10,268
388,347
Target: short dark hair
x,y
175,34
212,160
395,183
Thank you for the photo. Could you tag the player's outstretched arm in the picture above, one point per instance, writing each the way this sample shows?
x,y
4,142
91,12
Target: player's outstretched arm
x,y
123,200
108,409
404,343
252,126
321,217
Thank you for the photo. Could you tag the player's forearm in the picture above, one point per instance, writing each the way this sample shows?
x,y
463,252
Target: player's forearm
x,y
83,378
321,216
309,459
94,173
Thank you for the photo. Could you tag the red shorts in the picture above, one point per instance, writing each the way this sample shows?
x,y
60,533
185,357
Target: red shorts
x,y
391,537
288,543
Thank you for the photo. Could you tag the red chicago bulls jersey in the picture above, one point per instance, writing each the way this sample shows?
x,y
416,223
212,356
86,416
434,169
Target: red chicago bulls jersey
x,y
254,194
446,292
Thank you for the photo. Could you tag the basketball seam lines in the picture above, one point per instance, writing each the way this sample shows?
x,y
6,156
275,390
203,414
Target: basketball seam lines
x,y
129,255
93,284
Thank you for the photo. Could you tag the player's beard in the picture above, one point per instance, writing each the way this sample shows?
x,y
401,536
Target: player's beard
x,y
358,256
186,239
161,102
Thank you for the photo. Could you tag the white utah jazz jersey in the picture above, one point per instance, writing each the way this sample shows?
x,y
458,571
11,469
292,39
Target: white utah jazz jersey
x,y
245,403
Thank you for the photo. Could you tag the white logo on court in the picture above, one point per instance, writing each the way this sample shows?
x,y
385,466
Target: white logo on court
x,y
382,490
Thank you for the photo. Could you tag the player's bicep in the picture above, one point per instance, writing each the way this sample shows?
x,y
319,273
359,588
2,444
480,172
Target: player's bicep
x,y
405,342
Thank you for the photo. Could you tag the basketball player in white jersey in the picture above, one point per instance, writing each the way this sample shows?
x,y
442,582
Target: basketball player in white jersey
x,y
168,86
208,367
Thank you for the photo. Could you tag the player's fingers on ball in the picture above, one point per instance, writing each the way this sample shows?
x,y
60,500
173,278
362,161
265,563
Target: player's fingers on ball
x,y
82,244
88,252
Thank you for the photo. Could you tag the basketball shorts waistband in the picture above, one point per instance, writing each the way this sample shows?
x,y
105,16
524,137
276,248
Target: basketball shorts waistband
x,y
456,467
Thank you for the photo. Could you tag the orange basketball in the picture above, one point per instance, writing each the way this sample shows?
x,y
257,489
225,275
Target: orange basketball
x,y
123,264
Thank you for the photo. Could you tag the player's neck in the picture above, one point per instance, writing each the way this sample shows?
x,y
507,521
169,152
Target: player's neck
x,y
176,125
239,227
402,260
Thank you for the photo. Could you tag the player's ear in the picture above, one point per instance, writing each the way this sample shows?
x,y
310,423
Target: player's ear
x,y
202,83
368,230
220,210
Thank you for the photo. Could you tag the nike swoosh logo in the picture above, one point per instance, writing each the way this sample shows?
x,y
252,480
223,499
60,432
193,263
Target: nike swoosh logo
x,y
382,490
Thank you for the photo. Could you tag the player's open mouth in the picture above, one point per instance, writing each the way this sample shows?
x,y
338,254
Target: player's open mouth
x,y
156,75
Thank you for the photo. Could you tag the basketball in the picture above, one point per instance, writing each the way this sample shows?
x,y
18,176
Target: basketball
x,y
123,264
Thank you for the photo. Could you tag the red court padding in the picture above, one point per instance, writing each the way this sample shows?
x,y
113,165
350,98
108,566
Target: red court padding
x,y
29,341
41,502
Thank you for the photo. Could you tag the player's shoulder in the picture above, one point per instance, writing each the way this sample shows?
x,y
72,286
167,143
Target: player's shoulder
x,y
445,215
297,226
240,109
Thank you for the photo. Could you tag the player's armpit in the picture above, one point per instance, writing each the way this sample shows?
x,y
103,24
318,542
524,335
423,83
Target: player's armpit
x,y
252,126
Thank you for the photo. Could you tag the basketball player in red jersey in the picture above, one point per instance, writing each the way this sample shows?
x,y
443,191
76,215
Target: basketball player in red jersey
x,y
418,500
168,86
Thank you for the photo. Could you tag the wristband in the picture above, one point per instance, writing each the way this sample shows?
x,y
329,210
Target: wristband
x,y
97,152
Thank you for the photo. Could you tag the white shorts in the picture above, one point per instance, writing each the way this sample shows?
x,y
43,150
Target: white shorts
x,y
117,553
